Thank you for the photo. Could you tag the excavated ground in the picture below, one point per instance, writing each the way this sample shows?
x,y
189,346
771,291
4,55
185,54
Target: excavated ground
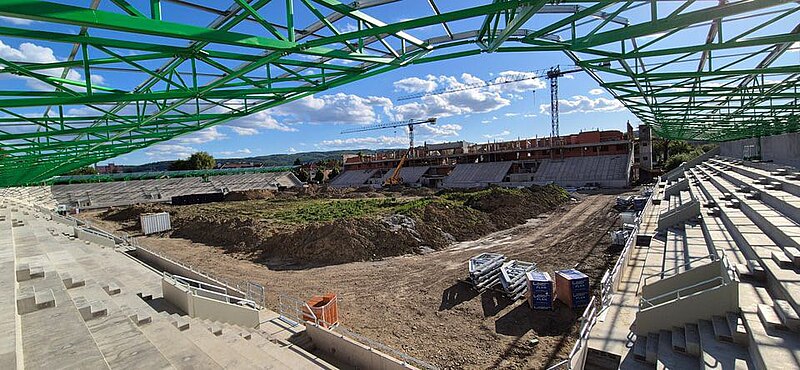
x,y
416,302
308,230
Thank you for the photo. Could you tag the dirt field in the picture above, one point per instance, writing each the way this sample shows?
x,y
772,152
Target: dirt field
x,y
415,303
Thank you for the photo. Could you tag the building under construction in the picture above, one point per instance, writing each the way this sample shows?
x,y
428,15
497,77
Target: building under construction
x,y
708,277
594,158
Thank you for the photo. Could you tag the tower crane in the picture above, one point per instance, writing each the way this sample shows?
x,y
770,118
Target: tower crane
x,y
395,179
551,74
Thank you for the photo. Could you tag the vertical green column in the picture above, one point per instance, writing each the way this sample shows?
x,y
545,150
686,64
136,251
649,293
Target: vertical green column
x,y
86,72
155,9
290,19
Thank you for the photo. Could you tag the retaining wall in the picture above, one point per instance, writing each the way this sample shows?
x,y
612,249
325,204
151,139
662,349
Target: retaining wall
x,y
784,148
351,352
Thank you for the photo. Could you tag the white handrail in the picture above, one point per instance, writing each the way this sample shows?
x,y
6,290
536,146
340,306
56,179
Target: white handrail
x,y
677,292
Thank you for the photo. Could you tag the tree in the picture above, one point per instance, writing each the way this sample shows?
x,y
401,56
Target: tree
x,y
298,161
201,161
179,165
319,177
334,172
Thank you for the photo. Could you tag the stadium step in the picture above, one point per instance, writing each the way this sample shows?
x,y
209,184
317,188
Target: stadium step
x,y
650,348
71,281
737,328
721,329
27,272
787,315
178,321
29,300
140,317
782,259
692,340
719,354
769,318
640,348
669,359
110,288
793,254
90,310
678,339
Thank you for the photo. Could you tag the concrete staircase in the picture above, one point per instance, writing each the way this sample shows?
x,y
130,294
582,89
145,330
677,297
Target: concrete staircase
x,y
82,306
749,217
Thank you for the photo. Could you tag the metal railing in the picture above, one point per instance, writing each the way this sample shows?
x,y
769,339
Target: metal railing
x,y
578,352
645,303
692,260
206,290
294,311
727,276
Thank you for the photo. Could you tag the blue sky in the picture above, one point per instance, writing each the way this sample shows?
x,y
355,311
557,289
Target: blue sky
x,y
502,113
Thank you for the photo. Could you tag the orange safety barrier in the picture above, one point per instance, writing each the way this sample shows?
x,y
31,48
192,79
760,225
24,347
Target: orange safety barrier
x,y
324,308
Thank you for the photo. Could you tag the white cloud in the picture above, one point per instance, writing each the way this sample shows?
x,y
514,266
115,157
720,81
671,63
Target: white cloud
x,y
16,21
584,104
497,135
169,151
370,142
511,114
472,99
416,84
202,136
239,152
450,129
252,124
291,150
333,108
97,79
486,121
32,53
596,92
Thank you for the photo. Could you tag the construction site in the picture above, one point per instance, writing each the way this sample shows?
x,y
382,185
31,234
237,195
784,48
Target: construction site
x,y
574,250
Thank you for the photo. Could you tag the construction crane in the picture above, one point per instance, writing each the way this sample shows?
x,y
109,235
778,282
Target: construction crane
x,y
551,74
395,179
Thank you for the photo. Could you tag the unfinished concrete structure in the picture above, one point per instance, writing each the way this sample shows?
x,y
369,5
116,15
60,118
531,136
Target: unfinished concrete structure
x,y
71,300
122,193
603,158
710,278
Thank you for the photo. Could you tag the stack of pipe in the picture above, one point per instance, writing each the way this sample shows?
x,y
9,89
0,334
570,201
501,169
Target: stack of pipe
x,y
512,278
484,270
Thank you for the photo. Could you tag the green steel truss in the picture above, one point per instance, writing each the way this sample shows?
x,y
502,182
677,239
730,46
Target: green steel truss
x,y
712,70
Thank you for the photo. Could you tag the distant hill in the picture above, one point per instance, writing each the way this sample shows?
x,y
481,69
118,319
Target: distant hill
x,y
266,160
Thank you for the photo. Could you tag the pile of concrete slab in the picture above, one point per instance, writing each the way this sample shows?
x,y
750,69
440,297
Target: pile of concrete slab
x,y
484,270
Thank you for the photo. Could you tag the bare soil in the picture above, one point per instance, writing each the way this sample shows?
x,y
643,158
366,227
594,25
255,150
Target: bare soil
x,y
416,302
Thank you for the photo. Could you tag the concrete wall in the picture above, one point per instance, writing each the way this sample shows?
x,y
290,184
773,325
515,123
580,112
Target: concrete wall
x,y
63,220
164,264
193,305
684,279
699,306
89,236
177,296
352,352
207,308
784,149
